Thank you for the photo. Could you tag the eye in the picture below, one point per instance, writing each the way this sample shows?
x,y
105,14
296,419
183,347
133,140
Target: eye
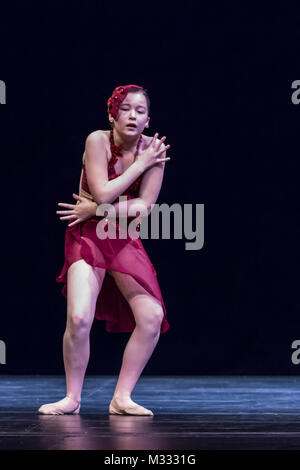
x,y
127,109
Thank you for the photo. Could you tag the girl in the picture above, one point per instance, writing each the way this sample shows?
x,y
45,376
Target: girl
x,y
113,279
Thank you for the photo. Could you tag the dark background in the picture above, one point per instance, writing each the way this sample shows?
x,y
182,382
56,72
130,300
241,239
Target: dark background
x,y
219,78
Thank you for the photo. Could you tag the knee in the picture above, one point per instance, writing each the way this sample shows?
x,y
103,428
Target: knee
x,y
78,323
153,319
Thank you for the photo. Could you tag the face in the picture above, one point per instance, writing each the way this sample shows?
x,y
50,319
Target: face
x,y
132,110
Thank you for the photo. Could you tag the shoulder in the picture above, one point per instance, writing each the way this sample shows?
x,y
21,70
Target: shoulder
x,y
94,140
148,139
96,136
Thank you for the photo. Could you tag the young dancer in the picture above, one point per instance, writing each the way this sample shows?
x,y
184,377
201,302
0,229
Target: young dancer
x,y
113,279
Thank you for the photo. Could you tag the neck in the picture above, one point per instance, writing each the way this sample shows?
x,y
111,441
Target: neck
x,y
129,143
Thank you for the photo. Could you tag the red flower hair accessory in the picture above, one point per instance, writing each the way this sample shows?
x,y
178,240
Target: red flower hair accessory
x,y
119,94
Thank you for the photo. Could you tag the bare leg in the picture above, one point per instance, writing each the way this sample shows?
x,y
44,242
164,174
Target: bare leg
x,y
84,285
148,315
139,348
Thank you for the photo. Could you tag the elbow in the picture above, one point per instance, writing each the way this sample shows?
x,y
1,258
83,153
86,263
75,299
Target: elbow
x,y
100,197
149,209
144,207
148,205
96,198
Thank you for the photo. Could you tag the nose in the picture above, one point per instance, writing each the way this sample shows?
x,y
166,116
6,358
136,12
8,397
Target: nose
x,y
132,113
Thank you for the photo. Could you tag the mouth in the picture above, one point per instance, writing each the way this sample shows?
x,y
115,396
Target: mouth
x,y
131,126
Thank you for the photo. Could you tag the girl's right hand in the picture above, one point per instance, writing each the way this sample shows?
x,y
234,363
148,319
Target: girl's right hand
x,y
152,154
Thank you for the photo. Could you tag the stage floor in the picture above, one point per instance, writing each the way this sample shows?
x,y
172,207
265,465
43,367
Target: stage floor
x,y
190,413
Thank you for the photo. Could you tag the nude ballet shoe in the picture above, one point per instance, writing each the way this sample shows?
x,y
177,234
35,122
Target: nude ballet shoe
x,y
137,410
56,409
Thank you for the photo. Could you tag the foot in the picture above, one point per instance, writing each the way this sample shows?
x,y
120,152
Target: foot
x,y
67,405
125,406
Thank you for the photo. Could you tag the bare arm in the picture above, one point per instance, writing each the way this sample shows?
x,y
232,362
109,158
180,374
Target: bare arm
x,y
121,209
148,194
103,190
151,184
149,189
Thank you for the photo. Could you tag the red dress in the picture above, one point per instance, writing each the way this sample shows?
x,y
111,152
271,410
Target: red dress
x,y
123,255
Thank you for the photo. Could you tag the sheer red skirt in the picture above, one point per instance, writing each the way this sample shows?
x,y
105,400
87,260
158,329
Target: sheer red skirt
x,y
122,255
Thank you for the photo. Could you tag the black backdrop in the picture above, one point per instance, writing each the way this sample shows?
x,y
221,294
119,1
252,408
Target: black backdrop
x,y
219,78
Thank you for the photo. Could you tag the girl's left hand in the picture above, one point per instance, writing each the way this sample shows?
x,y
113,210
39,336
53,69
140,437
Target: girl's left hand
x,y
82,210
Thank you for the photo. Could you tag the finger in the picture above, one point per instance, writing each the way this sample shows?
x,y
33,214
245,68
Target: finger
x,y
65,212
160,142
163,159
63,204
68,217
164,149
75,222
76,196
154,138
